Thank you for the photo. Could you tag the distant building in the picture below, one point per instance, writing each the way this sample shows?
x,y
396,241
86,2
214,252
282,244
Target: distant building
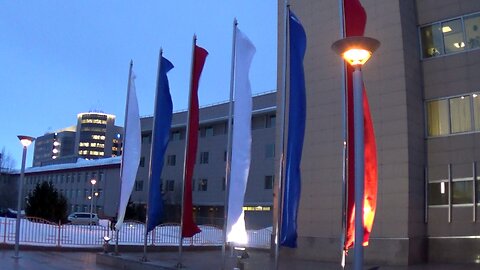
x,y
73,179
95,136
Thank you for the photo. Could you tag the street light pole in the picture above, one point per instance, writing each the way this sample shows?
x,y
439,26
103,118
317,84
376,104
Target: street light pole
x,y
93,182
356,51
25,141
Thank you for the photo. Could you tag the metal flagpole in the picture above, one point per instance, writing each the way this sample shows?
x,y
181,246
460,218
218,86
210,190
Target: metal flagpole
x,y
180,244
280,189
144,258
345,136
229,144
124,139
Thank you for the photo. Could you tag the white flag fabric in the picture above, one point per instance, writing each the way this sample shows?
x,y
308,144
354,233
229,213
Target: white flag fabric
x,y
131,150
242,139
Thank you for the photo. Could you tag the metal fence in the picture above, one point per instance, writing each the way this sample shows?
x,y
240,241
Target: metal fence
x,y
36,231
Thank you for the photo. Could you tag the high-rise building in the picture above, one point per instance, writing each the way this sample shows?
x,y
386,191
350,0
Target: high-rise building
x,y
94,136
423,90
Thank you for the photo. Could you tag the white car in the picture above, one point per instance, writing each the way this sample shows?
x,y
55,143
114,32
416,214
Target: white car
x,y
83,218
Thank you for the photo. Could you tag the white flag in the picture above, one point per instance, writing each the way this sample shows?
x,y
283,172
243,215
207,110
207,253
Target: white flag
x,y
131,149
242,139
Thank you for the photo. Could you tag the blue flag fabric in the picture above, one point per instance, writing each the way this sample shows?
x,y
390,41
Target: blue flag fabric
x,y
296,132
162,122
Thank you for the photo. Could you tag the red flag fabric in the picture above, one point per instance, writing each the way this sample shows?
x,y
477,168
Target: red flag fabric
x,y
189,228
355,19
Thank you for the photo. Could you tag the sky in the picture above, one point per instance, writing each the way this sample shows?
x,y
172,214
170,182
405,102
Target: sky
x,y
60,58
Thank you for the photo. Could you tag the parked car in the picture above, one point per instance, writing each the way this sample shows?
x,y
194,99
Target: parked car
x,y
83,218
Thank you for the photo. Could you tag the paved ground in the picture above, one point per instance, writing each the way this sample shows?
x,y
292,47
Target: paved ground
x,y
199,260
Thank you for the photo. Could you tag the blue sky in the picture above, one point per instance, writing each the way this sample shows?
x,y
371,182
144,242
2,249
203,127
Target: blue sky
x,y
61,58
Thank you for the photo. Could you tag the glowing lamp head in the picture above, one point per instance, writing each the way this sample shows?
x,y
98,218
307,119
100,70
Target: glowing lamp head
x,y
356,50
93,181
25,140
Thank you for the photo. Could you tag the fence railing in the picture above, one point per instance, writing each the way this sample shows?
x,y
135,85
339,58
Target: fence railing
x,y
35,231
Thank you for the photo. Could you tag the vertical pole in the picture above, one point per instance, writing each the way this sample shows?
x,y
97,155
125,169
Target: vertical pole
x,y
359,166
474,188
282,134
187,132
426,195
124,139
229,144
345,136
450,193
91,205
19,203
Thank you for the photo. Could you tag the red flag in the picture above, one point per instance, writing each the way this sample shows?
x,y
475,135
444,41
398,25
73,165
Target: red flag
x,y
355,19
189,227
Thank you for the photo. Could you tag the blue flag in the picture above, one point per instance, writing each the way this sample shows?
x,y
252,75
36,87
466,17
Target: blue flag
x,y
296,132
162,121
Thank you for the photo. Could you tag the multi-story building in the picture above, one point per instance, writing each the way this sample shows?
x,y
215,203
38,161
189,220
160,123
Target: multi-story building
x,y
94,136
423,89
73,179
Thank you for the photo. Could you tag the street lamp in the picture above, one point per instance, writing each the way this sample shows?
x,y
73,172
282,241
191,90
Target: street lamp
x,y
25,141
356,51
93,182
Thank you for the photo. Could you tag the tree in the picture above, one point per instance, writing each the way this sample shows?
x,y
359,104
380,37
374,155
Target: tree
x,y
8,187
7,163
47,203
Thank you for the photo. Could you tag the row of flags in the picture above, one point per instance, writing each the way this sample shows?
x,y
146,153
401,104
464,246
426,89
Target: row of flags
x,y
243,52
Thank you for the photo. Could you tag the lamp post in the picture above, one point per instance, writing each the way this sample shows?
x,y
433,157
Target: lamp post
x,y
356,51
93,182
25,141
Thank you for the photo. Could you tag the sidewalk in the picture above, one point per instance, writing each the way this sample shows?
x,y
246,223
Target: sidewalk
x,y
199,260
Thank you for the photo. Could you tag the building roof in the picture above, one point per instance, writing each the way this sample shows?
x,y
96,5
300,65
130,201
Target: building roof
x,y
81,163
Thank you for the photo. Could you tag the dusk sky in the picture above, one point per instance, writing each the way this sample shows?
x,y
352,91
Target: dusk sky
x,y
61,58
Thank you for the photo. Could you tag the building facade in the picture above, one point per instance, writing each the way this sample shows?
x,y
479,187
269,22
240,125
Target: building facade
x,y
422,87
95,136
73,179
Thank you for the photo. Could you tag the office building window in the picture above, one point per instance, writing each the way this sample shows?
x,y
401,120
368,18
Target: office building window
x,y
139,185
171,160
146,138
223,183
142,162
438,193
451,36
170,185
270,150
268,182
175,135
203,185
476,110
203,157
462,192
270,121
206,131
460,114
437,118
472,31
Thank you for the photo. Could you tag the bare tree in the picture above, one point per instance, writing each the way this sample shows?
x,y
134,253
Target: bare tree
x,y
7,163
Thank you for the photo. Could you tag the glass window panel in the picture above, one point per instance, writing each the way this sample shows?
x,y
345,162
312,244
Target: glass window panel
x,y
476,110
472,30
462,192
438,193
460,114
453,36
437,117
432,41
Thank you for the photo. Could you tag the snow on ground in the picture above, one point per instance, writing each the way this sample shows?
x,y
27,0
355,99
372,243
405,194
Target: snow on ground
x,y
42,233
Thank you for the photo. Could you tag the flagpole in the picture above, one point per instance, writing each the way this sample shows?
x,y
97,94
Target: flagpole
x,y
280,188
344,150
124,139
144,258
229,143
180,244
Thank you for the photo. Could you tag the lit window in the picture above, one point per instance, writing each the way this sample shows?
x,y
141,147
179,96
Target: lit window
x,y
437,118
438,193
453,36
472,31
432,42
460,114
